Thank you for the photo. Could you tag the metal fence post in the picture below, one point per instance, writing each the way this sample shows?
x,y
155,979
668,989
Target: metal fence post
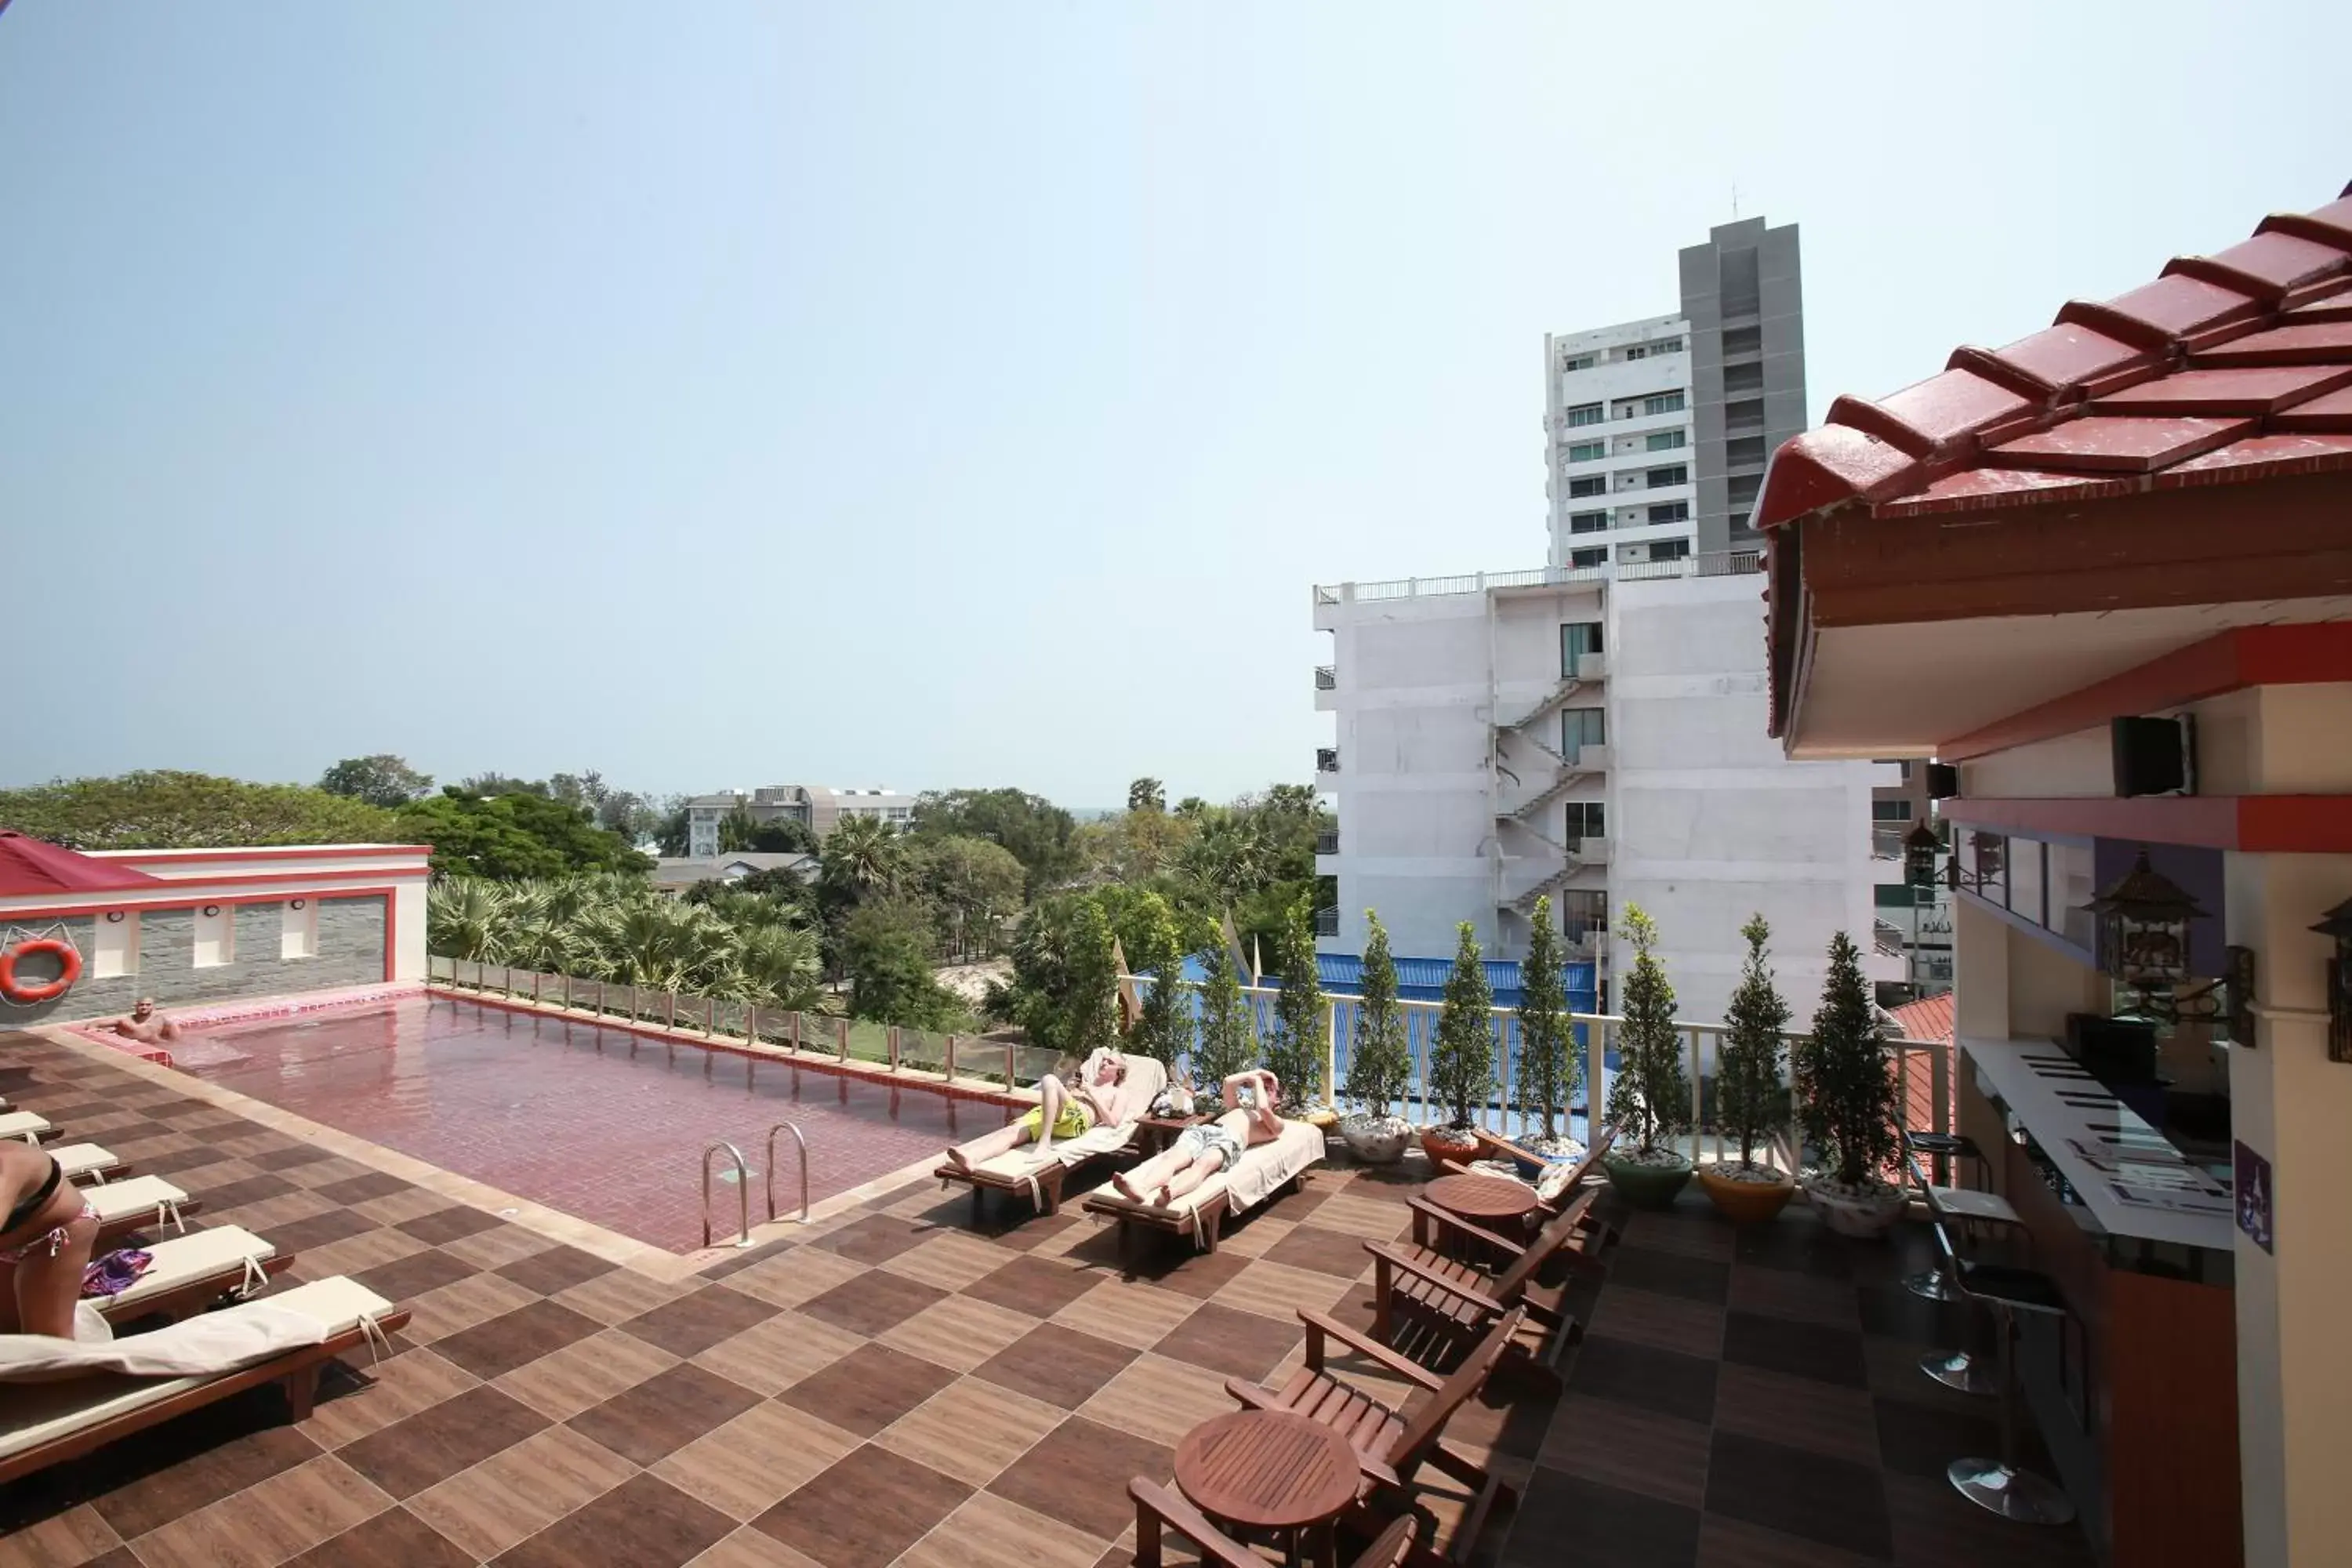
x,y
1331,1053
891,1036
669,1010
751,1022
841,1038
633,1001
534,987
796,1029
709,1016
1008,1064
951,1064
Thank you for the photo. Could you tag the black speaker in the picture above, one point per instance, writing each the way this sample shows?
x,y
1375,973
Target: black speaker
x,y
1943,781
2151,757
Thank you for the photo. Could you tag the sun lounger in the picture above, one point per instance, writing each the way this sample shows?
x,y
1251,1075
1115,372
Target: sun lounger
x,y
26,1127
1159,1508
1555,1187
191,1272
142,1202
89,1163
293,1336
1392,1442
1458,1301
1022,1173
1263,1171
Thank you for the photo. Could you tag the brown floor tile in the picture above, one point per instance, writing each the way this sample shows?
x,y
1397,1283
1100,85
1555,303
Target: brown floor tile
x,y
991,1532
222,1195
1788,1293
764,1456
375,1184
1800,1350
749,1548
795,1277
354,1255
1174,1265
692,1324
1126,1313
1669,1273
1807,1495
961,1333
1325,1251
512,1496
618,1295
67,1540
1665,1322
281,1517
1662,1381
1893,1312
1629,1527
644,1522
319,1230
1701,1236
778,1352
437,1314
1725,1542
415,1275
1160,1399
1244,1344
354,1400
502,1246
972,1430
948,1258
402,1206
585,1374
1373,1219
1799,1411
449,1223
1078,1473
1277,1291
1923,1440
428,1448
194,1462
874,1238
864,1511
495,1347
1026,1231
1892,1366
868,1389
1258,1233
1057,1365
393,1539
1036,1286
872,1303
1935,1527
287,1159
665,1412
1627,1448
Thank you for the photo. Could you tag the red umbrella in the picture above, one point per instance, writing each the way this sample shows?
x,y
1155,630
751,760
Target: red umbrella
x,y
36,866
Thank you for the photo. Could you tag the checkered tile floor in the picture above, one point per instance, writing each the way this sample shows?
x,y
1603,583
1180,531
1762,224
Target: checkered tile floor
x,y
894,1387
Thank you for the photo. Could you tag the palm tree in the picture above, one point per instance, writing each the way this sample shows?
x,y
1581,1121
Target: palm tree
x,y
864,855
464,916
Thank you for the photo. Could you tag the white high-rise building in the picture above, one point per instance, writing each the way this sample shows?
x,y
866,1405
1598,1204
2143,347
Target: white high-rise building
x,y
1618,458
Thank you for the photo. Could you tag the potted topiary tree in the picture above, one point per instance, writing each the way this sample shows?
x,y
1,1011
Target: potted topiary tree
x,y
1549,1068
1380,1062
1748,1090
1298,1049
1461,1059
1228,1037
1847,1104
1649,1100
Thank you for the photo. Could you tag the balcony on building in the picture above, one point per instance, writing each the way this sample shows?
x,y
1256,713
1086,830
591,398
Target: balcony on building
x,y
1327,759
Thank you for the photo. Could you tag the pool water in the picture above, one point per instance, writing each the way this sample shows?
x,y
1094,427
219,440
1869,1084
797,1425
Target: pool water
x,y
595,1122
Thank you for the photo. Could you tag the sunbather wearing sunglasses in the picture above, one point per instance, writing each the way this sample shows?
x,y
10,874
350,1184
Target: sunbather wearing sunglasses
x,y
1200,1152
1102,1097
44,1243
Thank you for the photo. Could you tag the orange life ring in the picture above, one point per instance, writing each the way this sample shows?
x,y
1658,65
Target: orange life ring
x,y
68,969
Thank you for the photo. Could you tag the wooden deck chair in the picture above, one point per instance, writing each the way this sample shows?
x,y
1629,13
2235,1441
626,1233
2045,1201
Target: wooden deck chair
x,y
47,1423
89,1163
1159,1508
1391,1445
191,1272
1554,1194
1458,1301
142,1202
1019,1173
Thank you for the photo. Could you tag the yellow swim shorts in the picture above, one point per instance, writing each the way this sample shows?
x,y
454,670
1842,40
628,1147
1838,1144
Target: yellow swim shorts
x,y
1072,1123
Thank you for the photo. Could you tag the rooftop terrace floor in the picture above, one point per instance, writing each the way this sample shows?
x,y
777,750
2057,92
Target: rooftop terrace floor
x,y
891,1386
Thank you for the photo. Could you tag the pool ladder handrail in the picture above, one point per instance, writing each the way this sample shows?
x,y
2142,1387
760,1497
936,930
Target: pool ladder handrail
x,y
770,1180
742,1189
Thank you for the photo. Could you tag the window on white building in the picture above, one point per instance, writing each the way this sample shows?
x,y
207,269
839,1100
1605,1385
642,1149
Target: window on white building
x,y
1665,441
1575,639
1597,485
1890,811
1666,346
1581,727
1673,511
1583,558
1588,451
1659,478
1585,820
1663,402
1587,521
1576,362
1669,548
1586,413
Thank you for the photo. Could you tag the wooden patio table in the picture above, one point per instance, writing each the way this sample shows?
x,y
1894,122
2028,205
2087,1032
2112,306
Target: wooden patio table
x,y
1492,1203
1271,1471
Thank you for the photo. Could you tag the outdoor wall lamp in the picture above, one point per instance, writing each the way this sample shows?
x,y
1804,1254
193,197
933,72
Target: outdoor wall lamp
x,y
2337,923
211,910
2144,940
1919,849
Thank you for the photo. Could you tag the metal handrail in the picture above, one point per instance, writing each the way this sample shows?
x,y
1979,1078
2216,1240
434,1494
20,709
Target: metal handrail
x,y
771,1177
742,1189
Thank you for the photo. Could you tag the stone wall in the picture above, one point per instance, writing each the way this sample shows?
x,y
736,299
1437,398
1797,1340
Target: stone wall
x,y
351,950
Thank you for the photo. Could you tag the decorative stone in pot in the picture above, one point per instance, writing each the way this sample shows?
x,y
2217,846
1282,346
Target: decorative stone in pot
x,y
1865,1212
1745,1194
1442,1143
1375,1140
1648,1179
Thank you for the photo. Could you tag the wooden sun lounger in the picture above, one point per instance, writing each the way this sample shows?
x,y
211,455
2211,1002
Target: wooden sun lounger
x,y
47,1423
1202,1214
192,1271
1458,1301
1390,1448
90,1162
1159,1508
142,1202
1041,1182
28,1127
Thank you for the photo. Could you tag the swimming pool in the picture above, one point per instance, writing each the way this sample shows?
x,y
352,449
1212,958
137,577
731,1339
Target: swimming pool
x,y
594,1120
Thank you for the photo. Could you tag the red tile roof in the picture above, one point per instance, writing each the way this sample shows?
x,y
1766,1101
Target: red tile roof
x,y
34,866
2227,368
1929,1018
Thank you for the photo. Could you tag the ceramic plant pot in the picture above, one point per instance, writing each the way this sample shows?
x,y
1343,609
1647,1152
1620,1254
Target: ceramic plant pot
x,y
1443,1143
1652,1183
1745,1202
1865,1215
1375,1140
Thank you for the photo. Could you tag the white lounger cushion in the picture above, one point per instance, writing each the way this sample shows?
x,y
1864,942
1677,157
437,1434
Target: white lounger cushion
x,y
1262,1170
23,1125
151,1195
1150,1076
79,1160
171,1361
185,1260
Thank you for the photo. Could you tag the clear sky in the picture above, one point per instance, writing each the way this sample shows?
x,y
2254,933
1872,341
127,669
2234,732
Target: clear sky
x,y
949,394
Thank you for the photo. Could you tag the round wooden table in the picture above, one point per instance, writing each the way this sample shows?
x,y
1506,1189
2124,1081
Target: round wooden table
x,y
1270,1470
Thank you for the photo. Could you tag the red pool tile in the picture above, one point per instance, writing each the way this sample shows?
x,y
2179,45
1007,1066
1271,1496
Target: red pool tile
x,y
594,1122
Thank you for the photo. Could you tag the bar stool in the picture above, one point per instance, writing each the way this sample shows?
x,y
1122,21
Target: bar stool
x,y
1963,1205
1998,1485
1943,1149
1961,1370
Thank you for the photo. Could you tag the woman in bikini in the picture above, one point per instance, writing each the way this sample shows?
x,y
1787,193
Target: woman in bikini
x,y
1200,1152
1102,1097
44,1243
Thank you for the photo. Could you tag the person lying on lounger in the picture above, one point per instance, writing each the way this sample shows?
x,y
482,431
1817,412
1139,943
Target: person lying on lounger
x,y
1200,1152
46,1239
145,1025
1102,1097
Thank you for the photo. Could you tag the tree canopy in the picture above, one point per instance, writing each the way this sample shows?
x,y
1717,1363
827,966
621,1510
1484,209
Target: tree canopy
x,y
515,835
172,810
380,780
1033,830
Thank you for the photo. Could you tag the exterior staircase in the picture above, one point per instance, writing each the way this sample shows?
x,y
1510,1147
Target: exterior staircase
x,y
1551,702
1568,776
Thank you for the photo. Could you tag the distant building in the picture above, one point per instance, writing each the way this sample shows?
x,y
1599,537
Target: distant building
x,y
674,874
814,806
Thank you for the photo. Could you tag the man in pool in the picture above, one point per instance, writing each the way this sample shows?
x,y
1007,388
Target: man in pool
x,y
145,1025
1103,1097
1200,1152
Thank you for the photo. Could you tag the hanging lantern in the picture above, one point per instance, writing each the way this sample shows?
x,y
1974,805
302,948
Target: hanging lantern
x,y
1919,851
2144,926
2338,925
